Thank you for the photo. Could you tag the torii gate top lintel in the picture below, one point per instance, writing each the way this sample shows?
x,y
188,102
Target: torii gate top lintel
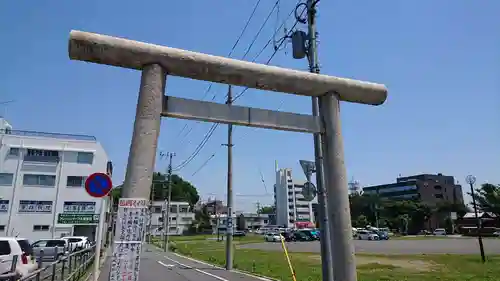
x,y
103,49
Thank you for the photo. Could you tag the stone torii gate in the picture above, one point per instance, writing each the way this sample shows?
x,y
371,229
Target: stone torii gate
x,y
156,62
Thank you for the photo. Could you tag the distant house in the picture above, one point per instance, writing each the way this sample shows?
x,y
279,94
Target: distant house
x,y
467,225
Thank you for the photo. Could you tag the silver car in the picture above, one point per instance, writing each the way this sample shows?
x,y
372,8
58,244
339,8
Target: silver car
x,y
50,249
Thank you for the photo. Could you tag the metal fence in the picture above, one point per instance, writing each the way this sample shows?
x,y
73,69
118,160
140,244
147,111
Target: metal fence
x,y
70,267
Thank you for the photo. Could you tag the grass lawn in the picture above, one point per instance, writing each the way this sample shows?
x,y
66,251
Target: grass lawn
x,y
370,267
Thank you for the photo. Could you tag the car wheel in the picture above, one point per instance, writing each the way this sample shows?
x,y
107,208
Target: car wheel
x,y
359,238
375,238
370,238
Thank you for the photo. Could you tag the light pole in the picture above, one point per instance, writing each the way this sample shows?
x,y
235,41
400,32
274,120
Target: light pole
x,y
470,179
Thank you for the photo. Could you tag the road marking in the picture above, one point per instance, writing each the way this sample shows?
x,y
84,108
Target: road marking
x,y
218,267
166,265
196,269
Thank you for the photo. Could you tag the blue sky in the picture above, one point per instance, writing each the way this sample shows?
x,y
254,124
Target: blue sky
x,y
439,59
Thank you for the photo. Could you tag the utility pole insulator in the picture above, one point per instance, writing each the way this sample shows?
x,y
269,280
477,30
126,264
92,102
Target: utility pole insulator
x,y
299,49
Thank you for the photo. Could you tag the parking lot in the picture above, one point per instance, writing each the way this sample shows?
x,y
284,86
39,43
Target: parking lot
x,y
427,246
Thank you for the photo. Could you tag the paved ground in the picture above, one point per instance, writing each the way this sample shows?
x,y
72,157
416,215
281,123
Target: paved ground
x,y
427,246
157,265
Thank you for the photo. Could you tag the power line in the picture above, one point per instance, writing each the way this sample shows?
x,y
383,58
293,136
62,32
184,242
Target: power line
x,y
216,125
231,52
276,49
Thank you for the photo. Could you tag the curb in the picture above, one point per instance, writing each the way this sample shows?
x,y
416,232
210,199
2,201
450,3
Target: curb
x,y
102,262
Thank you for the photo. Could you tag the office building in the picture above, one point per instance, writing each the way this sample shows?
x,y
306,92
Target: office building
x,y
291,207
181,217
428,188
42,178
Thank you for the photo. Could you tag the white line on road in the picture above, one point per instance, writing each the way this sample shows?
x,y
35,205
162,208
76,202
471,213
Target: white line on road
x,y
196,269
218,267
166,265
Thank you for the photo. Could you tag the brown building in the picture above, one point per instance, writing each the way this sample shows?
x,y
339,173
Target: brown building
x,y
430,189
427,188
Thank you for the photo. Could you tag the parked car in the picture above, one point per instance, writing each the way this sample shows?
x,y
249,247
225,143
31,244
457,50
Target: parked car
x,y
50,249
288,236
367,235
439,231
310,234
272,237
239,233
496,233
382,235
299,236
12,246
77,243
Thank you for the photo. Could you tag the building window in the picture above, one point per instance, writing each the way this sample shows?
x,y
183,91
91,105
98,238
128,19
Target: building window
x,y
79,207
184,209
439,196
85,158
32,206
39,180
40,155
14,151
75,181
6,179
4,206
41,227
2,227
157,210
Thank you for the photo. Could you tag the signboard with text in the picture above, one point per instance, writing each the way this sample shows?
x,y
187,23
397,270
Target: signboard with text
x,y
33,206
79,207
65,218
127,245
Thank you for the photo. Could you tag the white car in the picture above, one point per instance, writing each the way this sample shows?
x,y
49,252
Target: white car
x,y
439,231
13,246
77,243
272,237
367,235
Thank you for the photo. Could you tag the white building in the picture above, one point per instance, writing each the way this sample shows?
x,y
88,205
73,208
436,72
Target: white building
x,y
42,176
219,223
252,221
181,217
291,208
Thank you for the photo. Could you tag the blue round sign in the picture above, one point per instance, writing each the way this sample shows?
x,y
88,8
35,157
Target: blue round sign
x,y
98,185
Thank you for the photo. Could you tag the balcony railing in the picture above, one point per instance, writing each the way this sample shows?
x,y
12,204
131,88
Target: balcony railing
x,y
47,135
41,158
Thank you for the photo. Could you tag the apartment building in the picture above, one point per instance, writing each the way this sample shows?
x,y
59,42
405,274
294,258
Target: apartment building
x,y
180,217
291,207
42,178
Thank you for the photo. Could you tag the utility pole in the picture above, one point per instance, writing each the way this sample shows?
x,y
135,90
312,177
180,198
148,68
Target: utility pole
x,y
229,219
327,266
166,213
151,213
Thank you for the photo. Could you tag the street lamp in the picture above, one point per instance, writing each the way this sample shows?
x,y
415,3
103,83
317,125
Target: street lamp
x,y
471,180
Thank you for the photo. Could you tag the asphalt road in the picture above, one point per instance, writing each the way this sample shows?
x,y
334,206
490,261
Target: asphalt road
x,y
427,246
157,265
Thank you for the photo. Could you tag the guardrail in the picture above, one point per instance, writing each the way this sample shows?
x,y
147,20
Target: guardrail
x,y
71,267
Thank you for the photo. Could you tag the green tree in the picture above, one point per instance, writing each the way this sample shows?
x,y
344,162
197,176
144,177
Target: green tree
x,y
181,190
267,210
361,221
488,198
